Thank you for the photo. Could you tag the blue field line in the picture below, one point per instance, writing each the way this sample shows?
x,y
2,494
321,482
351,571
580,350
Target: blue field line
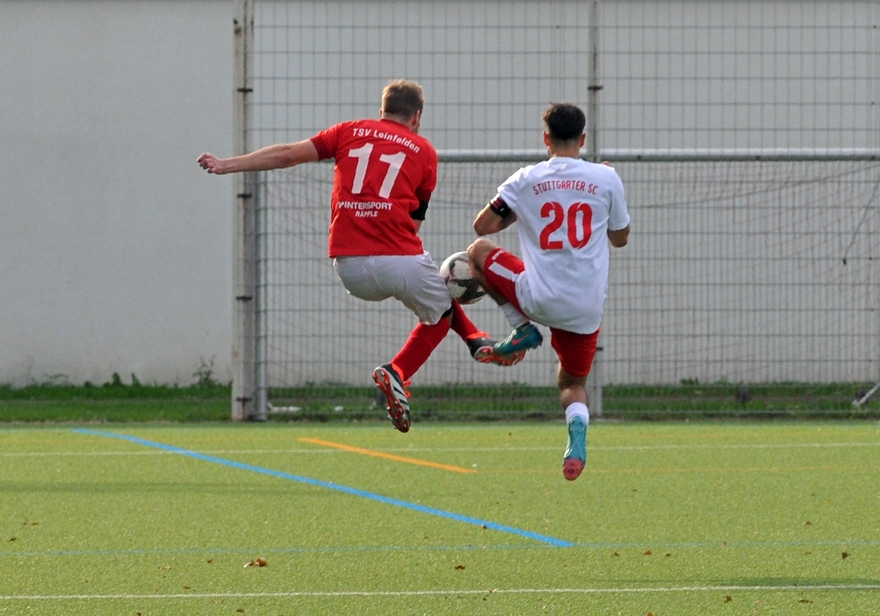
x,y
333,486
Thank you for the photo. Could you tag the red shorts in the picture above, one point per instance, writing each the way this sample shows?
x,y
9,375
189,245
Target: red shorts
x,y
575,351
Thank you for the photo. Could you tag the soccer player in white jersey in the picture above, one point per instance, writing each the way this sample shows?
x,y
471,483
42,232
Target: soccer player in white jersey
x,y
568,211
384,176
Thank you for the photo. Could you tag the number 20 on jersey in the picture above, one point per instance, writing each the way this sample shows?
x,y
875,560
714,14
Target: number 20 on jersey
x,y
577,219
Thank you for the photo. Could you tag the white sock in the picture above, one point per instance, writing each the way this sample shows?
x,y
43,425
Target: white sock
x,y
514,316
577,409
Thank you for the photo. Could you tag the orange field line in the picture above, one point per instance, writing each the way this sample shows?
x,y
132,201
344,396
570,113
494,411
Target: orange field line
x,y
379,454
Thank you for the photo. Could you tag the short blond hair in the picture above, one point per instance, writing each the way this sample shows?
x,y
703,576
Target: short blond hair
x,y
402,98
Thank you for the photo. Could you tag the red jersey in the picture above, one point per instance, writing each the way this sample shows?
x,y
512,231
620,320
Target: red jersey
x,y
383,170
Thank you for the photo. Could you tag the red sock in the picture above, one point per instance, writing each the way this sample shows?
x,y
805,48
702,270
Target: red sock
x,y
461,324
422,342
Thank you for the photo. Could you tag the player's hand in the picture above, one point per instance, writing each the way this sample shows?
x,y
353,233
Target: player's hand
x,y
211,164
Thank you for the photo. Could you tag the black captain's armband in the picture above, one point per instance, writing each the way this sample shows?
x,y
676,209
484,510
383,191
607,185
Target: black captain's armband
x,y
498,206
419,213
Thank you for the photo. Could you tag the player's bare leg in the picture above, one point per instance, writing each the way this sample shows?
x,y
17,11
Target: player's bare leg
x,y
573,396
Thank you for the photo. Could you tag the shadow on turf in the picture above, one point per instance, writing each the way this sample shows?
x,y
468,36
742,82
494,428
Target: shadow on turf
x,y
82,487
788,582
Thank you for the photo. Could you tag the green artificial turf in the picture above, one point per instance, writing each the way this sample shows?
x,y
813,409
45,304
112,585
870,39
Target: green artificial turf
x,y
686,518
116,401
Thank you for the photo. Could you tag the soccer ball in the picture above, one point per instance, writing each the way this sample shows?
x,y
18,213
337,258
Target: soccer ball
x,y
463,287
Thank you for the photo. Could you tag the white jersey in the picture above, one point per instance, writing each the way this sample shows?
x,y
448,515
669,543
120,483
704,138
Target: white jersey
x,y
564,208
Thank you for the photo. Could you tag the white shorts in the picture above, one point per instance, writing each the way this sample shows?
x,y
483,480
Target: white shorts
x,y
414,280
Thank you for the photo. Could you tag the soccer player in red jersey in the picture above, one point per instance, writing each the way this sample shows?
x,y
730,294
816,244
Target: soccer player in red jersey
x,y
569,211
384,176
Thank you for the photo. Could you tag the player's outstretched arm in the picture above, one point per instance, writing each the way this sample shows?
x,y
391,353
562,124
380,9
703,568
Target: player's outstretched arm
x,y
277,156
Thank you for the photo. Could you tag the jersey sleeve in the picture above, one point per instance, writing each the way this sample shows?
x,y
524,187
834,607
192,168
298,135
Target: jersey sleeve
x,y
509,190
326,141
618,215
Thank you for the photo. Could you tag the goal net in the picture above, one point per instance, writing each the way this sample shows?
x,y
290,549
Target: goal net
x,y
745,133
737,271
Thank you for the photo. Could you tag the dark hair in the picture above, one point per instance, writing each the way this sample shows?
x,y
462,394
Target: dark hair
x,y
564,122
402,98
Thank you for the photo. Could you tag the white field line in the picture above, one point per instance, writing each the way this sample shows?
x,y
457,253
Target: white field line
x,y
441,449
452,592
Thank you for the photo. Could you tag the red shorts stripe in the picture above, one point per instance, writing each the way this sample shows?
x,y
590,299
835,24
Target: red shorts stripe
x,y
500,271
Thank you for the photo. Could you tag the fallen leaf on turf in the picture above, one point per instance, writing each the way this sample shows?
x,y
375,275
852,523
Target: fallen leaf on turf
x,y
615,554
844,554
804,601
807,523
459,566
648,553
259,562
241,609
728,599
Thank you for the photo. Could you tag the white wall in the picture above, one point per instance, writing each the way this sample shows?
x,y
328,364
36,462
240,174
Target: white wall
x,y
115,248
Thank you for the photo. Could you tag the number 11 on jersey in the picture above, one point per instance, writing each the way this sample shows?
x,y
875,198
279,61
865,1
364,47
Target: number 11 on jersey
x,y
362,154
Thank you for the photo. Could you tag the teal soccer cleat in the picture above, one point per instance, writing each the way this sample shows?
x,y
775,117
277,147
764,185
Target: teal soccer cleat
x,y
576,453
523,338
482,349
